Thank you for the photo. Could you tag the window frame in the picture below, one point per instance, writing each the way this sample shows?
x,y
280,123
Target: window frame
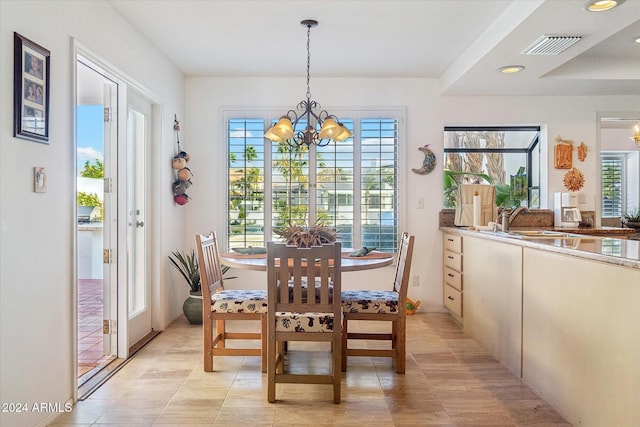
x,y
533,145
270,114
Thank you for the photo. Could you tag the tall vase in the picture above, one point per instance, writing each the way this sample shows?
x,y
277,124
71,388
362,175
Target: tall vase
x,y
192,308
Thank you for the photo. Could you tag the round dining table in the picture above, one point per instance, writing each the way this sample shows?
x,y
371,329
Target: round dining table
x,y
258,262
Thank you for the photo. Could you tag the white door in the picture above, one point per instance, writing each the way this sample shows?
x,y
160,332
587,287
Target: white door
x,y
138,287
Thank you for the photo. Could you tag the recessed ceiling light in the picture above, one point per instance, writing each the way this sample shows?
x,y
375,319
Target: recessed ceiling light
x,y
602,5
638,39
511,69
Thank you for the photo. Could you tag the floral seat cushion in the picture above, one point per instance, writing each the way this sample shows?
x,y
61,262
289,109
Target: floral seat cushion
x,y
382,302
239,301
305,322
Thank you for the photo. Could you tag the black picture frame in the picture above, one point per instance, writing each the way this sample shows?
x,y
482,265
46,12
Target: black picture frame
x,y
31,69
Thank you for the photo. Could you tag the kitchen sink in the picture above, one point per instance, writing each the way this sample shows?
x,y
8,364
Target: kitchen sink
x,y
542,234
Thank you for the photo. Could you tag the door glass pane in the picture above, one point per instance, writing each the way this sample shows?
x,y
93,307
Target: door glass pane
x,y
135,207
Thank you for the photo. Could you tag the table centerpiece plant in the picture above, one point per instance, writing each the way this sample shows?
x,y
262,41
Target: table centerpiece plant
x,y
304,236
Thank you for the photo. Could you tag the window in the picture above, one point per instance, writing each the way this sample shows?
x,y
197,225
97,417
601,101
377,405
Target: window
x,y
506,156
612,184
351,185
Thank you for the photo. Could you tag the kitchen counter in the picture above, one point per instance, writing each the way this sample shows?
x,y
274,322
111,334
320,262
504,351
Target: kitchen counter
x,y
609,250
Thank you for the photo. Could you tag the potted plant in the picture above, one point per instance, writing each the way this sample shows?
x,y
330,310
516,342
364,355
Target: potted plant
x,y
631,219
187,265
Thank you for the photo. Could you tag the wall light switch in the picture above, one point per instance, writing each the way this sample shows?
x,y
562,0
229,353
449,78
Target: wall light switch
x,y
39,180
421,203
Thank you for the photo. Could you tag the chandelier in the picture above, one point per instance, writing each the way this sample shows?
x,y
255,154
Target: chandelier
x,y
636,135
307,112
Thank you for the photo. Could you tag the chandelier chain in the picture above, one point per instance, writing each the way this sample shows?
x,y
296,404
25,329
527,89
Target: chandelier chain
x,y
308,62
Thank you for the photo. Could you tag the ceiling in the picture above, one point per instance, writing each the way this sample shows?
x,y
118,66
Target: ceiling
x,y
459,42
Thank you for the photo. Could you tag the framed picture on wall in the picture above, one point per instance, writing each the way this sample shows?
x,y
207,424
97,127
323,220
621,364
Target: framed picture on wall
x,y
31,65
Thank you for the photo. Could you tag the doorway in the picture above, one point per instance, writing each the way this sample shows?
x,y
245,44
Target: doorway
x,y
619,168
116,304
95,135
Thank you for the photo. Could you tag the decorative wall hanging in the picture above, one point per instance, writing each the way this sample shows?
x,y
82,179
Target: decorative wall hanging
x,y
582,151
182,173
429,162
563,153
30,90
573,180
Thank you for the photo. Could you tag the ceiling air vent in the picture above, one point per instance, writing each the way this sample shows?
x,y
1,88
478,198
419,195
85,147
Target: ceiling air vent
x,y
551,45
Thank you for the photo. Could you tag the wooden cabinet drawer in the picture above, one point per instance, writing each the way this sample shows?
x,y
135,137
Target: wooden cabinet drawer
x,y
453,278
453,300
453,243
453,260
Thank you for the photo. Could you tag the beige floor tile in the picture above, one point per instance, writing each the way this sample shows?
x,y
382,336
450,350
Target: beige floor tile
x,y
450,381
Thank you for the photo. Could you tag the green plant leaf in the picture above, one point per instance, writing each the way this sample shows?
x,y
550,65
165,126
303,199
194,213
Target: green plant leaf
x,y
187,265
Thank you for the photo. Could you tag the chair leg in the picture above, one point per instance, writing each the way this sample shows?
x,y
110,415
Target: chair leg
x,y
343,352
401,345
220,329
281,349
271,369
337,370
207,351
263,342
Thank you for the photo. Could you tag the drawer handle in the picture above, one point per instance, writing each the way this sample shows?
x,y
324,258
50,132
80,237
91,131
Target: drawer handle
x,y
449,256
451,298
449,274
451,240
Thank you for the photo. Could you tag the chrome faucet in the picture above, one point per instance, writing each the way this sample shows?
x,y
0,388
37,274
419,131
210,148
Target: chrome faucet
x,y
515,213
508,215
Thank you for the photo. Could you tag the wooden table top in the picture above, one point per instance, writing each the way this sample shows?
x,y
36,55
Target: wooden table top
x,y
258,262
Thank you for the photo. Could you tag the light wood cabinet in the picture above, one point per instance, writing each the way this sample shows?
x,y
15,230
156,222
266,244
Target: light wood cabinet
x,y
453,287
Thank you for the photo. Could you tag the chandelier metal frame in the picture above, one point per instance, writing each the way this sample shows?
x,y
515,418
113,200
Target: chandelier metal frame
x,y
331,129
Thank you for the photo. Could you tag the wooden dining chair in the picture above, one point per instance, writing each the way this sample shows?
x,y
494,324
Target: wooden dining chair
x,y
220,305
378,306
299,311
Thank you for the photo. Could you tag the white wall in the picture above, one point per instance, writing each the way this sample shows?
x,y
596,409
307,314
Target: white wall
x,y
37,229
427,114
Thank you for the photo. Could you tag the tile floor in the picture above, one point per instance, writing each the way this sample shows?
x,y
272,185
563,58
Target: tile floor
x,y
90,314
450,381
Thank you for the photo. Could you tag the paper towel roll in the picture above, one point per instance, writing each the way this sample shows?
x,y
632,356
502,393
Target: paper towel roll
x,y
477,210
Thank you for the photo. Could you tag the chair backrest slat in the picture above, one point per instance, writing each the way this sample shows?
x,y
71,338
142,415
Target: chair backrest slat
x,y
403,266
312,276
209,266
